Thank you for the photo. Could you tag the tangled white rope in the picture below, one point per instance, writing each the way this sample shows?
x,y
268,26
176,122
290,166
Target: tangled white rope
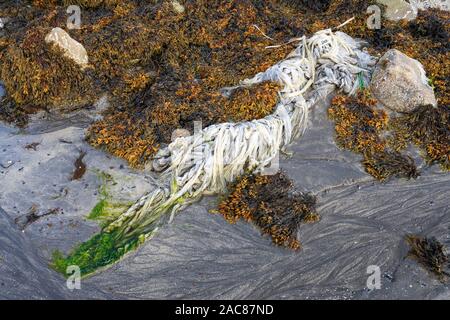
x,y
204,163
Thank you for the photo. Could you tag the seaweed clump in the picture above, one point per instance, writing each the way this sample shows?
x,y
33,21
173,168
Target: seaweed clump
x,y
431,26
272,204
363,128
387,164
124,136
430,253
359,127
81,3
314,5
428,128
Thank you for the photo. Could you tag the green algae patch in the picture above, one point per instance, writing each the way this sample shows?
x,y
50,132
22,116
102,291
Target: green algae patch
x,y
117,236
103,248
100,251
107,209
98,211
108,246
116,239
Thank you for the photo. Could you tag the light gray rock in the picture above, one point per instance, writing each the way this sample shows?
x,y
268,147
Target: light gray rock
x,y
400,83
398,9
6,164
177,133
72,48
178,7
428,4
2,91
4,21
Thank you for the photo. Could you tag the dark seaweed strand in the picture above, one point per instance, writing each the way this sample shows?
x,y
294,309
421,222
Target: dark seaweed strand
x,y
430,253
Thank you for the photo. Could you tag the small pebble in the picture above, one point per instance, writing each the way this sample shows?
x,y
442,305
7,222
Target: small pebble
x,y
388,276
7,164
178,7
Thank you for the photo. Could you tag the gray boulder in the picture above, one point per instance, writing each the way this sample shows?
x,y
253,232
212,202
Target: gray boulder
x,y
400,83
396,10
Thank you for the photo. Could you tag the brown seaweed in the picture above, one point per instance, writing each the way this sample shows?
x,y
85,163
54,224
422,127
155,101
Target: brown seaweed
x,y
32,216
428,128
430,253
32,146
387,164
315,5
80,167
360,127
363,128
272,204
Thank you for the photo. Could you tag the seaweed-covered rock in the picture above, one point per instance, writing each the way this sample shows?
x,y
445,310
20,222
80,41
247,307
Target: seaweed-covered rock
x,y
38,75
72,48
399,83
